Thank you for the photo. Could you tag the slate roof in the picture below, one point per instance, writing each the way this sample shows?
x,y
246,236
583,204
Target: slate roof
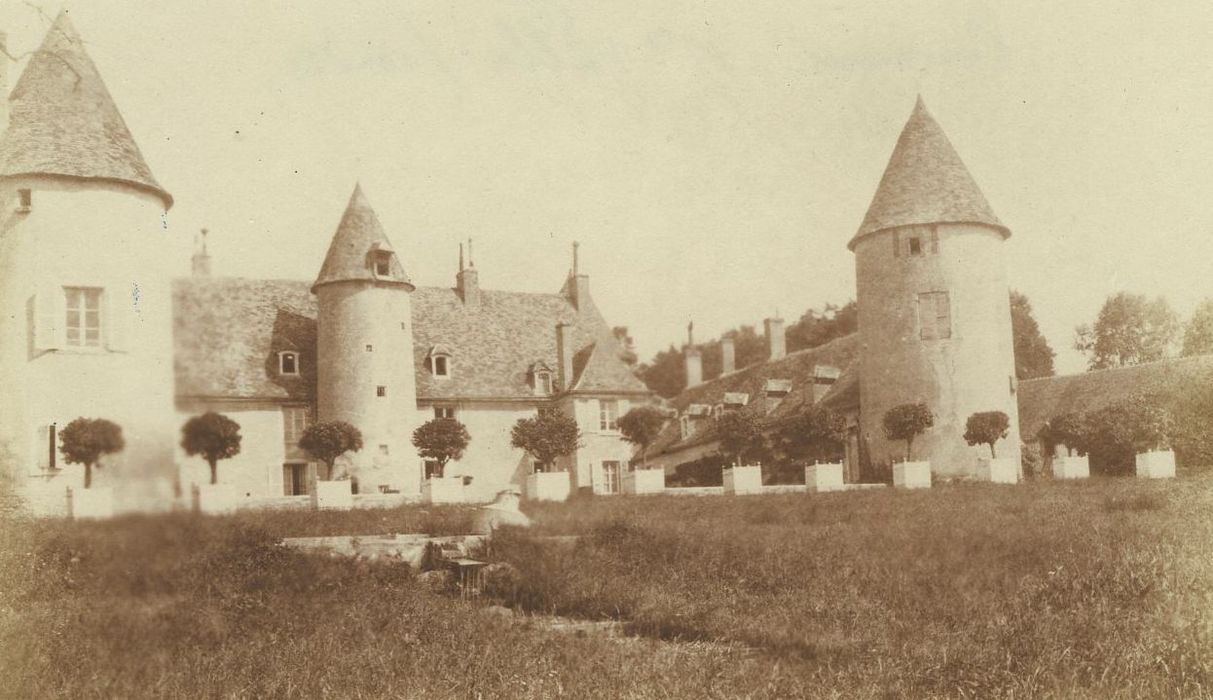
x,y
358,234
64,123
925,182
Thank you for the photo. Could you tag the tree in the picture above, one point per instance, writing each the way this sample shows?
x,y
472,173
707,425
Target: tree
x,y
86,440
906,422
666,374
1130,330
1033,356
329,440
1068,429
1198,335
549,436
1120,430
987,428
816,328
815,434
740,434
212,435
640,427
441,439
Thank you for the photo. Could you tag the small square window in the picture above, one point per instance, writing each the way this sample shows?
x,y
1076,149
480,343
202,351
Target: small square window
x,y
370,348
381,391
403,327
383,450
915,246
25,200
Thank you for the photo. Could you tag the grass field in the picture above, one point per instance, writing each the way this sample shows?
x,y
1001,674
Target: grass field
x,y
1101,589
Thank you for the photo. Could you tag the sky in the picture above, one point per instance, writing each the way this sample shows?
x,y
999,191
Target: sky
x,y
712,158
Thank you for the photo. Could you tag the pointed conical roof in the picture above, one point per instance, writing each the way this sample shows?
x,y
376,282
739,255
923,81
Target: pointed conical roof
x,y
925,182
64,123
350,254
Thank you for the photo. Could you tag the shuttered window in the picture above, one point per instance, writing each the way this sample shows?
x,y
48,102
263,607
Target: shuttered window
x,y
934,316
83,321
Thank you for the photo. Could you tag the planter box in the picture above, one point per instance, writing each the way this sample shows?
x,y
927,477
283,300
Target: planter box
x,y
1071,468
912,475
1159,464
442,489
998,471
823,477
644,481
547,486
742,480
332,495
214,499
90,503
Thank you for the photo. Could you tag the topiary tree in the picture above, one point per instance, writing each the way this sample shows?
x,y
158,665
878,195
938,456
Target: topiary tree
x,y
329,440
547,437
987,428
441,439
86,440
1120,430
1068,429
213,436
740,434
815,434
906,422
640,427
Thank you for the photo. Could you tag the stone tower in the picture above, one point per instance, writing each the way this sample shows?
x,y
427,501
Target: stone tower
x,y
934,313
365,350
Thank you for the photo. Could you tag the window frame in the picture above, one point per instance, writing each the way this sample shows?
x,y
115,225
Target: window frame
x,y
445,361
608,421
940,315
439,410
282,358
83,295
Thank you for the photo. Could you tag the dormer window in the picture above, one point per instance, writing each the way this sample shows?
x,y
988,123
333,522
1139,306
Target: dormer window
x,y
684,427
541,379
438,362
383,263
441,366
288,364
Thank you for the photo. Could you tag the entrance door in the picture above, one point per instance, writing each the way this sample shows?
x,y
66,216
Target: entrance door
x,y
610,477
294,478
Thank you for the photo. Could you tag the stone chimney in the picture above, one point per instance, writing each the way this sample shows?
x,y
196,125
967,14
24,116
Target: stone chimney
x,y
777,346
728,355
690,355
564,355
579,284
4,61
200,263
467,282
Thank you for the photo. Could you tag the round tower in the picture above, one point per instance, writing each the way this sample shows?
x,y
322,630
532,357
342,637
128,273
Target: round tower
x,y
934,310
365,350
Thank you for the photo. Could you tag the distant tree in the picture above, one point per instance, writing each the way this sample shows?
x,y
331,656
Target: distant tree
x,y
816,328
1130,330
213,436
987,428
86,440
814,434
749,348
640,427
906,422
1198,335
1067,429
547,437
441,439
329,440
665,375
1033,356
740,434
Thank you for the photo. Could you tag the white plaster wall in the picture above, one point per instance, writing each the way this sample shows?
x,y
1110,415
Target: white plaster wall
x,y
597,445
257,470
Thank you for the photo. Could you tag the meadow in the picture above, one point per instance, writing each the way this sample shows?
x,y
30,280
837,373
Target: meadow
x,y
1101,589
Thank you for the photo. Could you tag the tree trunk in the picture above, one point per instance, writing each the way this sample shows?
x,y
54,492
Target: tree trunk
x,y
992,454
214,471
88,474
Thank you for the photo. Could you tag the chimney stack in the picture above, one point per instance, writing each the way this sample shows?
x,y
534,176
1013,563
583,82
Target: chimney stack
x,y
728,355
579,284
690,354
564,355
776,344
467,282
200,263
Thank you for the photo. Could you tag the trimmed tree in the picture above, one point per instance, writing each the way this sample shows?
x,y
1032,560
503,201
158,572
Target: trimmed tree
x,y
1067,429
906,422
441,439
987,428
86,440
1122,429
640,427
740,434
547,437
815,434
213,436
329,440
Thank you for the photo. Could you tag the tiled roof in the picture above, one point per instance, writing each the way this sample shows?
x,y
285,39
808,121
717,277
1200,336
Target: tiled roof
x,y
63,121
358,234
925,182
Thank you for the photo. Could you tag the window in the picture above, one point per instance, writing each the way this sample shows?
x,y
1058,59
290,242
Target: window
x,y
83,327
25,200
608,415
288,363
538,467
432,469
543,382
934,316
383,450
444,411
611,475
441,369
383,263
915,246
44,448
370,348
295,420
381,391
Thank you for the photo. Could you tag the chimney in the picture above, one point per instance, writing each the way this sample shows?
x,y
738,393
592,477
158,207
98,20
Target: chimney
x,y
5,58
728,355
690,354
776,345
579,284
201,260
564,355
467,282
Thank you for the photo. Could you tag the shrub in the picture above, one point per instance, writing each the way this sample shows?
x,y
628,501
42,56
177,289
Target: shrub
x,y
212,435
86,440
987,428
1068,429
815,435
641,426
906,422
1118,431
329,440
547,437
441,439
704,471
740,435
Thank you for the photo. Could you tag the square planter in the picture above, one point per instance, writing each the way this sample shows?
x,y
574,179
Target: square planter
x,y
823,477
912,475
1071,468
998,471
547,486
332,495
742,480
214,499
442,489
1159,464
644,481
90,503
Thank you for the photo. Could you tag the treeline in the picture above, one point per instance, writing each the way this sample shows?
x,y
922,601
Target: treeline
x,y
1132,329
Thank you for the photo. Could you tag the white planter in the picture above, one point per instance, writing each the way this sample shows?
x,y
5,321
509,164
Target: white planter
x,y
1071,468
823,477
742,480
644,481
214,499
998,471
547,486
912,475
332,495
90,503
442,489
1159,464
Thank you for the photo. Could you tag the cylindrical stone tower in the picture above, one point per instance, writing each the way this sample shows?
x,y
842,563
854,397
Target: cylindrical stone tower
x,y
365,350
934,308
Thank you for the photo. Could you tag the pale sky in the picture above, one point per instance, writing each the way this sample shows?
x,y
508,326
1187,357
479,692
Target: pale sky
x,y
713,158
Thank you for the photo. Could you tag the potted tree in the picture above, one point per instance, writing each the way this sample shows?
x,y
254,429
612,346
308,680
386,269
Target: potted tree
x,y
987,428
740,435
441,440
640,427
326,442
1151,434
87,441
1067,431
906,422
547,437
212,436
815,435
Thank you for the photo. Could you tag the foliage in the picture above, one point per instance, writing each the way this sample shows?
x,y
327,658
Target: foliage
x,y
212,435
705,471
550,435
818,327
987,428
329,440
740,435
86,440
1068,429
441,439
1198,335
1033,356
1130,330
906,422
1193,415
1119,431
815,434
641,426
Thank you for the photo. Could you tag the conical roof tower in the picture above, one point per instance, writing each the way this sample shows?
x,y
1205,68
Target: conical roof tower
x,y
360,248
